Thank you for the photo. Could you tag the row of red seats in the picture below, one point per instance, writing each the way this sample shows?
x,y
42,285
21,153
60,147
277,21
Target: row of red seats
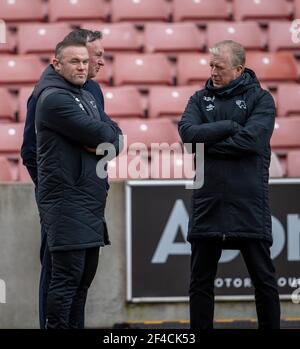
x,y
154,165
127,102
156,37
154,131
180,166
156,69
143,10
156,134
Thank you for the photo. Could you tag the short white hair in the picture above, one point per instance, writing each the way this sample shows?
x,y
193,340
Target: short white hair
x,y
236,50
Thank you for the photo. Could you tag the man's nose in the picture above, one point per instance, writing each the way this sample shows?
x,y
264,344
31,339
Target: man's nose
x,y
100,60
213,71
81,66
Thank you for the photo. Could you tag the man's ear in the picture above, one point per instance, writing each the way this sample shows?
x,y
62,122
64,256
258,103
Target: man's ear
x,y
240,68
56,64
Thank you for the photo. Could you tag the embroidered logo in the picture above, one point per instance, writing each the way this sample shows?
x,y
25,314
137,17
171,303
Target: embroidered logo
x,y
78,102
93,104
209,99
241,104
210,107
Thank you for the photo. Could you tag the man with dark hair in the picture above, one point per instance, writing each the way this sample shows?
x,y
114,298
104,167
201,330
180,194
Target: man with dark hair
x,y
94,46
234,118
92,40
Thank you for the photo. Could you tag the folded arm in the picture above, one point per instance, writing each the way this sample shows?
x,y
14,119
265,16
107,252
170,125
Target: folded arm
x,y
62,115
193,129
254,136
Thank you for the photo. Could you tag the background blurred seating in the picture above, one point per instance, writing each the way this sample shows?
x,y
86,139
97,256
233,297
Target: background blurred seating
x,y
157,56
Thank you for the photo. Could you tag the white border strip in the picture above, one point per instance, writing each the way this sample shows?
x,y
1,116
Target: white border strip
x,y
128,242
186,299
150,182
2,32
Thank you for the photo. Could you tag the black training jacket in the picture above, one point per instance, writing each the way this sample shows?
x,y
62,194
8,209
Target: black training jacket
x,y
235,123
71,197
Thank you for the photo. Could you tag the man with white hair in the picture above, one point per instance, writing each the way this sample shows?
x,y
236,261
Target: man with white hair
x,y
234,118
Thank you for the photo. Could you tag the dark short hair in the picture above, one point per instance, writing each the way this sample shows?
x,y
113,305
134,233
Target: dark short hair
x,y
77,37
66,43
85,35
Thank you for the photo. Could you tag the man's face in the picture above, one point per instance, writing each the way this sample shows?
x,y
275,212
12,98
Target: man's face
x,y
96,54
73,64
222,71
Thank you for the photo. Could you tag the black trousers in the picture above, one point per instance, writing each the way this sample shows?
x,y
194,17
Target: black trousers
x,y
71,277
204,262
45,277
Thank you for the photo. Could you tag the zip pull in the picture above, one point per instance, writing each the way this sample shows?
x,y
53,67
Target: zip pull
x,y
224,237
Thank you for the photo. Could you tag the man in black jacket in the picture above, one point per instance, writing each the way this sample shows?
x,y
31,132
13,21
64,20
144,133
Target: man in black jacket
x,y
71,197
234,118
93,40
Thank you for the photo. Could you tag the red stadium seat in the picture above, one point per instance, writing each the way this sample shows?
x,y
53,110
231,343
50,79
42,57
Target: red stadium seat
x,y
139,10
280,37
261,10
172,165
117,36
21,10
24,94
7,112
193,68
293,163
9,45
41,37
169,101
20,69
122,102
278,66
11,137
143,69
6,174
288,99
149,132
70,10
236,31
173,37
286,134
296,9
195,10
126,166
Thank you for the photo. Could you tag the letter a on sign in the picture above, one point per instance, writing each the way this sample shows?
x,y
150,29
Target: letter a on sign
x,y
178,219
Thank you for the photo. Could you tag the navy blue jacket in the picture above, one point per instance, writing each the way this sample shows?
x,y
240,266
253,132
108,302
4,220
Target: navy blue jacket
x,y
28,150
235,123
71,197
